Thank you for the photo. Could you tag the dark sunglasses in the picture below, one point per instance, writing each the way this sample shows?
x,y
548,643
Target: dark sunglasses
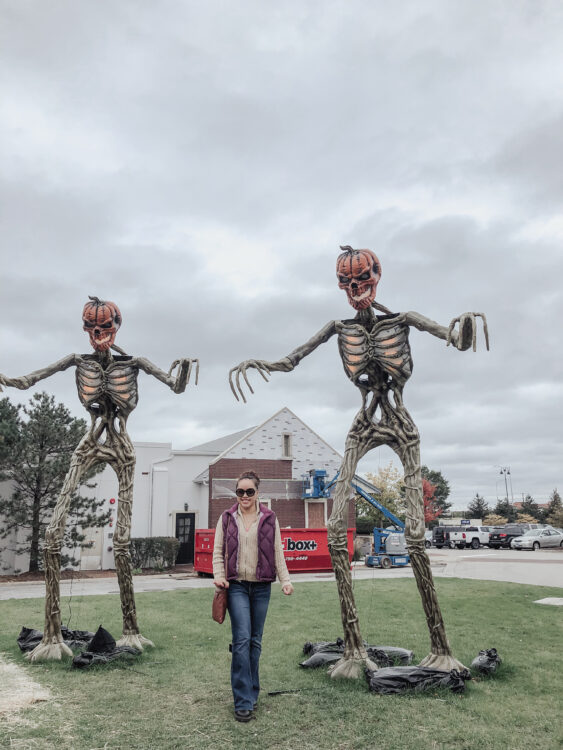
x,y
250,492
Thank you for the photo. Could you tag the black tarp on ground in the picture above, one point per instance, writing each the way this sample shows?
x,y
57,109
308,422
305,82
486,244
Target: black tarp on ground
x,y
322,658
402,679
336,646
486,661
327,652
101,650
29,638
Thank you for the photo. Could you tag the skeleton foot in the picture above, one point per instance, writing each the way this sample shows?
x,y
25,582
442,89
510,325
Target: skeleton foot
x,y
352,668
50,649
445,662
134,640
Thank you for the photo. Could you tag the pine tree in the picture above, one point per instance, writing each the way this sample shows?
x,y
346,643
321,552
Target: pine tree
x,y
531,508
478,507
505,509
9,431
36,463
554,513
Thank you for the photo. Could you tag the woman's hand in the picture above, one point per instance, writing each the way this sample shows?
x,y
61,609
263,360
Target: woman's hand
x,y
287,589
221,583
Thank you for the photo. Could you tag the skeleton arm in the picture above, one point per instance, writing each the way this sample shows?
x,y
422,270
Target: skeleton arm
x,y
286,364
26,381
176,383
462,339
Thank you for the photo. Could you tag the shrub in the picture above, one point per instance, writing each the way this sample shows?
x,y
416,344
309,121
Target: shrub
x,y
364,525
154,552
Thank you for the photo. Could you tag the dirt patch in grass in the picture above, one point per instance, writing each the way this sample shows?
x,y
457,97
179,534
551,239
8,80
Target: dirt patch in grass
x,y
17,690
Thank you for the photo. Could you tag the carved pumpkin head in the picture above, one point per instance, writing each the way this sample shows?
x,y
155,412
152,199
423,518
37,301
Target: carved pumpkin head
x,y
358,272
102,320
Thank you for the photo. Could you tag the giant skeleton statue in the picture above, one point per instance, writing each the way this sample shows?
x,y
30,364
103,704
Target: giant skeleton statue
x,y
107,388
376,356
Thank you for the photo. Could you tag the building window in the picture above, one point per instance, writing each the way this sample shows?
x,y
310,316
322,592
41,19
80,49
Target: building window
x,y
286,445
267,503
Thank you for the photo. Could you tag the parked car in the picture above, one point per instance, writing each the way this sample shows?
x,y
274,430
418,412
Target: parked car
x,y
428,538
501,536
441,535
470,536
536,538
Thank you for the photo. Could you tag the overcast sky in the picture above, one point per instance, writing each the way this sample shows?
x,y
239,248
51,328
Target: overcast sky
x,y
200,163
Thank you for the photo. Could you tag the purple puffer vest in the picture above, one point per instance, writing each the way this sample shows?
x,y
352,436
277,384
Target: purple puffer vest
x,y
266,567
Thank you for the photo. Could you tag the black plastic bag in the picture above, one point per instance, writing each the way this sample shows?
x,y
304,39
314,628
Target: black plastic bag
x,y
394,654
101,650
327,652
402,679
321,658
486,661
29,638
336,647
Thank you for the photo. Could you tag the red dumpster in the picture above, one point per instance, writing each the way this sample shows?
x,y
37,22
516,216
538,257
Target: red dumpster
x,y
305,550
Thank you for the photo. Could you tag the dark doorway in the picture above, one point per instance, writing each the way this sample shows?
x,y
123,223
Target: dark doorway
x,y
185,534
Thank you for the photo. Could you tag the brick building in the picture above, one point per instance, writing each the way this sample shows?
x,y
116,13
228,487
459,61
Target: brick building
x,y
178,491
282,451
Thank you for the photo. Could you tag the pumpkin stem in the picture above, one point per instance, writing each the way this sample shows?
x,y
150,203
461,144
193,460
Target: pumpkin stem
x,y
97,300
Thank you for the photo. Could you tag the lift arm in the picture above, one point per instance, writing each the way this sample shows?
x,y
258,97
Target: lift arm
x,y
377,505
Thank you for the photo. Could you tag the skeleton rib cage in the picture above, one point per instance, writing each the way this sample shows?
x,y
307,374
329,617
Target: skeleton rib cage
x,y
114,387
370,358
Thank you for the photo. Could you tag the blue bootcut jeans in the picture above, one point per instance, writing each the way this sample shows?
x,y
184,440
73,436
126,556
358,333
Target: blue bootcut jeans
x,y
247,603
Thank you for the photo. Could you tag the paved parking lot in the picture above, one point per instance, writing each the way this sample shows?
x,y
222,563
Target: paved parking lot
x,y
542,568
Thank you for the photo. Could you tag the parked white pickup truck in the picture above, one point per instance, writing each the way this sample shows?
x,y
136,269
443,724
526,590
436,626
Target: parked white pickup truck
x,y
470,536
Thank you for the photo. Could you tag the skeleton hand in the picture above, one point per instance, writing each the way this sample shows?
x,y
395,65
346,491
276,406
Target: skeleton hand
x,y
467,332
264,368
183,374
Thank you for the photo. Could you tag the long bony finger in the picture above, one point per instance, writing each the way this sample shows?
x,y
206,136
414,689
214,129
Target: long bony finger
x,y
485,329
231,383
239,386
262,369
172,366
450,331
247,380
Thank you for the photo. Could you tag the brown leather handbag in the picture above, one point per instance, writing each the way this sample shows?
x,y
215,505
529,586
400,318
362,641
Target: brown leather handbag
x,y
219,607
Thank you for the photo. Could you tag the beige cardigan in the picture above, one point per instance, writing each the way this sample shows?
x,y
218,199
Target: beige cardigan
x,y
248,552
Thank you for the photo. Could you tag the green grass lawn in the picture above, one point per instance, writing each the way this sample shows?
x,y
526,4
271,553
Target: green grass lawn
x,y
177,695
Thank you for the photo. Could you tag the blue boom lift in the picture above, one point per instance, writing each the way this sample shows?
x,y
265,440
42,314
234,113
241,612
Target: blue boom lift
x,y
389,546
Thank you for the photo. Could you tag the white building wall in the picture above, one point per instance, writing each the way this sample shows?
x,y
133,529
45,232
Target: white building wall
x,y
308,450
163,485
107,488
182,490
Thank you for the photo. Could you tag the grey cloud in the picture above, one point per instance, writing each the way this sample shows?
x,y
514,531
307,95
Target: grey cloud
x,y
420,131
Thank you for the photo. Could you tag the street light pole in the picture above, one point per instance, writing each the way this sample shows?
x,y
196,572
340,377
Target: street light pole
x,y
506,470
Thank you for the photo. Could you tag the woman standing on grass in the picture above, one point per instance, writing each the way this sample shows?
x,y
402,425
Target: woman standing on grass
x,y
247,556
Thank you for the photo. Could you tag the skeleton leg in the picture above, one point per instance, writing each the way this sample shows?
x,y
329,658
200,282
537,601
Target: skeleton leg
x,y
440,656
52,645
124,467
355,657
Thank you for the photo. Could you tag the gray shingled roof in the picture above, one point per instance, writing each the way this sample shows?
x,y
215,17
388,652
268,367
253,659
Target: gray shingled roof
x,y
220,444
